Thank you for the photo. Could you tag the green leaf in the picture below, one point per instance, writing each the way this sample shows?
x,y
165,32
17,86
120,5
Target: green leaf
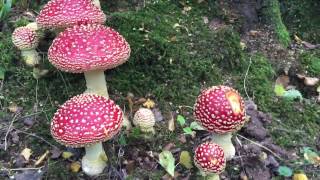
x,y
285,171
292,94
311,156
181,120
279,90
122,140
136,132
2,72
188,130
166,160
196,126
185,159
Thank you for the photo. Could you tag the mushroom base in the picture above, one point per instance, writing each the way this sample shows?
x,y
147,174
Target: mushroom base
x,y
96,83
224,140
94,162
210,176
30,57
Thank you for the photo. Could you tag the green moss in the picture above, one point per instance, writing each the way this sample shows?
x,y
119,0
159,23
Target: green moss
x,y
302,18
272,14
311,62
295,123
259,81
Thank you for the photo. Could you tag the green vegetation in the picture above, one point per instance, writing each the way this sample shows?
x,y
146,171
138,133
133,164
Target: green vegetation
x,y
273,16
311,62
301,18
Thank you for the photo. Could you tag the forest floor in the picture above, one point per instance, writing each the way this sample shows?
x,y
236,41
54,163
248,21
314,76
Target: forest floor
x,y
178,49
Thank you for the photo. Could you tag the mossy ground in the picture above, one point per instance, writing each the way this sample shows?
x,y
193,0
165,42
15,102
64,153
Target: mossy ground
x,y
174,55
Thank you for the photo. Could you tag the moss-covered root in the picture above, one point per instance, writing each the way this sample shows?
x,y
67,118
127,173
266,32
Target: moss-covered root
x,y
273,17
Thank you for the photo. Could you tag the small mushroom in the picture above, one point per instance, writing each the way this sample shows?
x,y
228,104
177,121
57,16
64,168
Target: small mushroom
x,y
89,49
221,110
210,160
145,120
61,14
87,120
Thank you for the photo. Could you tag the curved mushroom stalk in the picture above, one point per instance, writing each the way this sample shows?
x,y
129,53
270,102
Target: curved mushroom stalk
x,y
96,3
96,83
224,140
95,160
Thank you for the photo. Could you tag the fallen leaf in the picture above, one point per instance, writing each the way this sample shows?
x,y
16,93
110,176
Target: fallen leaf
x,y
311,156
75,167
185,159
26,153
39,161
157,114
196,126
299,176
169,146
188,130
292,94
149,104
13,107
283,80
55,153
181,120
285,171
67,155
167,161
279,90
297,39
171,125
182,138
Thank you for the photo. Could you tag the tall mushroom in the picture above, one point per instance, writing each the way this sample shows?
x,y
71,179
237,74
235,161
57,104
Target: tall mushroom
x,y
221,110
87,120
89,49
210,160
61,14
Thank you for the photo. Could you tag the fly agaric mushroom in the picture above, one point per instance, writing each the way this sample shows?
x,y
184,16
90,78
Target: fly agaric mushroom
x,y
210,160
60,14
87,120
145,120
221,110
89,49
27,40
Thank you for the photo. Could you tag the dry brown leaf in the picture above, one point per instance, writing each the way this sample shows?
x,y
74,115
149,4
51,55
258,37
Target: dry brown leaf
x,y
40,160
26,153
75,167
171,125
283,80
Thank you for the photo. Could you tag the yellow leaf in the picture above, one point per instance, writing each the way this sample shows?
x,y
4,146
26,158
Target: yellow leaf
x,y
26,153
67,155
39,161
297,39
13,108
299,176
149,104
185,159
75,167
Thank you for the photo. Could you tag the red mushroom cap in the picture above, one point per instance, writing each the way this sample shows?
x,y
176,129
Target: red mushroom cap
x,y
67,13
25,38
86,119
209,157
220,109
88,47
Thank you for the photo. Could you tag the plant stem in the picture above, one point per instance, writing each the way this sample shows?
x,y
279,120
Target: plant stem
x,y
224,140
96,83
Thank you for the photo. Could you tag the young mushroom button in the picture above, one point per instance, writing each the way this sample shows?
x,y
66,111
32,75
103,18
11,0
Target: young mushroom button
x,y
60,14
89,49
145,120
221,110
87,120
209,158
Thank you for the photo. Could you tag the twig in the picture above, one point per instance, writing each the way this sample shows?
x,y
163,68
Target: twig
x,y
36,136
245,79
22,169
260,145
9,129
36,106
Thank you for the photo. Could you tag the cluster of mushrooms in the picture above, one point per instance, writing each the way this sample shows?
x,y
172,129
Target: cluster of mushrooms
x,y
85,45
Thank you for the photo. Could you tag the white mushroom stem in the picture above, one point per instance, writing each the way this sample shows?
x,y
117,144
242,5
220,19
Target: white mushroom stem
x,y
96,3
31,57
94,162
33,26
224,140
96,83
210,176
